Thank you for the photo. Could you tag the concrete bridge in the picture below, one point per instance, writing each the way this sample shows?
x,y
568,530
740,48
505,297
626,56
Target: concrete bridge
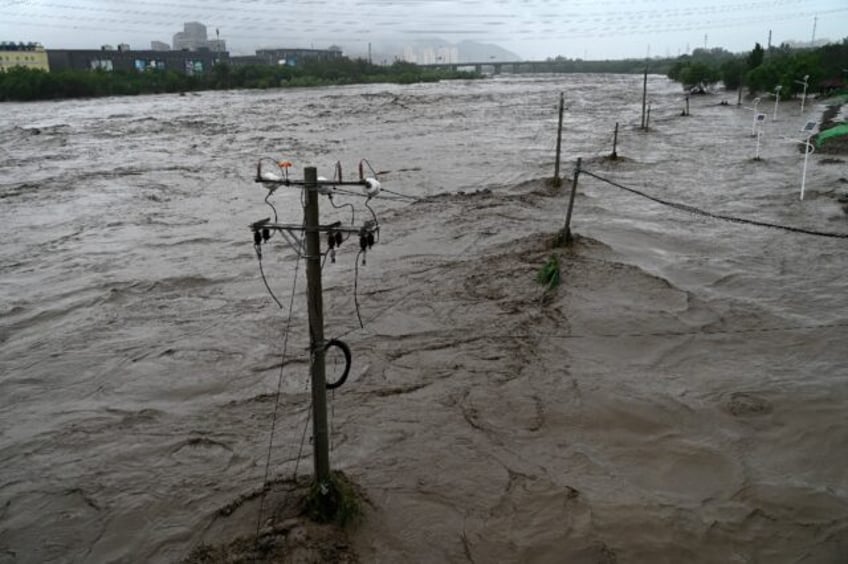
x,y
516,67
562,66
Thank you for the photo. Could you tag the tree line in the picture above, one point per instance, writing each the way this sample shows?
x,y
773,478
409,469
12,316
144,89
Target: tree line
x,y
762,70
23,84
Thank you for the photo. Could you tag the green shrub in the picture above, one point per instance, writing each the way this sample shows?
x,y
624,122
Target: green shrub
x,y
549,275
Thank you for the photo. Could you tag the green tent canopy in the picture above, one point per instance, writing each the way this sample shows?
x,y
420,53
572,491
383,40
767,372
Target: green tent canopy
x,y
836,131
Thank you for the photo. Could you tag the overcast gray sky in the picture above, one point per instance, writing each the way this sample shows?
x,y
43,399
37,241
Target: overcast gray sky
x,y
534,29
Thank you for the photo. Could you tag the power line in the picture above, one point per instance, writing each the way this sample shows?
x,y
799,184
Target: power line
x,y
287,332
616,24
698,211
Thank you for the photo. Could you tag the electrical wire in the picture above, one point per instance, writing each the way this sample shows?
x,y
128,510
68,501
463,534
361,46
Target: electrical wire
x,y
356,288
277,396
698,211
413,198
376,197
265,280
340,206
302,440
276,219
376,221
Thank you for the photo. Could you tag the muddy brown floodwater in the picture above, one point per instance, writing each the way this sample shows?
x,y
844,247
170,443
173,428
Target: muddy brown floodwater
x,y
681,397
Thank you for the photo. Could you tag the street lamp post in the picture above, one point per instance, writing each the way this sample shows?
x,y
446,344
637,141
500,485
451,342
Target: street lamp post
x,y
804,95
808,148
754,125
776,100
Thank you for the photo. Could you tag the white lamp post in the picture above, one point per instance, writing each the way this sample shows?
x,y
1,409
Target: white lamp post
x,y
804,95
808,148
754,125
776,100
759,119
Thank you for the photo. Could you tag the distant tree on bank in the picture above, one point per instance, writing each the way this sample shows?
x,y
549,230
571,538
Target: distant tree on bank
x,y
23,84
762,72
755,57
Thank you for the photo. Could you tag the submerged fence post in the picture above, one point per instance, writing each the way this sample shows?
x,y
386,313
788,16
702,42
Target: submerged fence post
x,y
615,143
566,232
557,180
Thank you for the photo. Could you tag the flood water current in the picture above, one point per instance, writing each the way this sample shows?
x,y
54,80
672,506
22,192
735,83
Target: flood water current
x,y
681,396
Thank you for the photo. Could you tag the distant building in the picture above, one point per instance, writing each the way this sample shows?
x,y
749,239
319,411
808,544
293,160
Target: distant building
x,y
159,46
409,55
182,62
216,45
28,55
194,38
247,60
293,57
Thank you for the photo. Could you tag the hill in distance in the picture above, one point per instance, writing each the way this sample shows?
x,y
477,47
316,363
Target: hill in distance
x,y
387,51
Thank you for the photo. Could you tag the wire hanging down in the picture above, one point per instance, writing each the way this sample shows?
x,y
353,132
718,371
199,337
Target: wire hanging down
x,y
286,334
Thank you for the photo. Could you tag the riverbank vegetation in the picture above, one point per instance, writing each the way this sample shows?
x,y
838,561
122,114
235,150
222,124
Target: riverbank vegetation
x,y
22,84
762,70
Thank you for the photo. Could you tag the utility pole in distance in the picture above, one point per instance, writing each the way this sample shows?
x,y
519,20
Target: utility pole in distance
x,y
557,180
644,95
316,327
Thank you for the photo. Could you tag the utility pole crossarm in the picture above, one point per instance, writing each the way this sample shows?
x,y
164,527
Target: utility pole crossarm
x,y
334,227
286,182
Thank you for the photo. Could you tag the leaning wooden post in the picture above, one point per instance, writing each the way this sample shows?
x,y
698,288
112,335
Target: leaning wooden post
x,y
648,118
687,105
644,96
316,327
615,143
567,229
557,179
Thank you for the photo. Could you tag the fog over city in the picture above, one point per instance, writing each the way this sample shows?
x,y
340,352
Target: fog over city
x,y
532,29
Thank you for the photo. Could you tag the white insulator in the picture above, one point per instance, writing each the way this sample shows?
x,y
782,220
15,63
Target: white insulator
x,y
270,176
324,188
372,187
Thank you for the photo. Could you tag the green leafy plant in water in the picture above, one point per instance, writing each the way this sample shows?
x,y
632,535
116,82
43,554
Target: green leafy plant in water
x,y
335,500
549,274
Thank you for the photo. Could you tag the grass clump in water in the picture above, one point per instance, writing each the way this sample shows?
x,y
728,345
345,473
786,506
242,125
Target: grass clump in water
x,y
549,275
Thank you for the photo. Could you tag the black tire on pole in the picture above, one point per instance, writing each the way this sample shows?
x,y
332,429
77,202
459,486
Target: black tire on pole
x,y
341,345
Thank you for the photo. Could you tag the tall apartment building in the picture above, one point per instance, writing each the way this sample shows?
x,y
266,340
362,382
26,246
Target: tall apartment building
x,y
194,38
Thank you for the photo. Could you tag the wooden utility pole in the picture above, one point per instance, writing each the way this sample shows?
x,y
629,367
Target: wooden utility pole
x,y
615,143
648,118
316,327
644,95
557,180
567,229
